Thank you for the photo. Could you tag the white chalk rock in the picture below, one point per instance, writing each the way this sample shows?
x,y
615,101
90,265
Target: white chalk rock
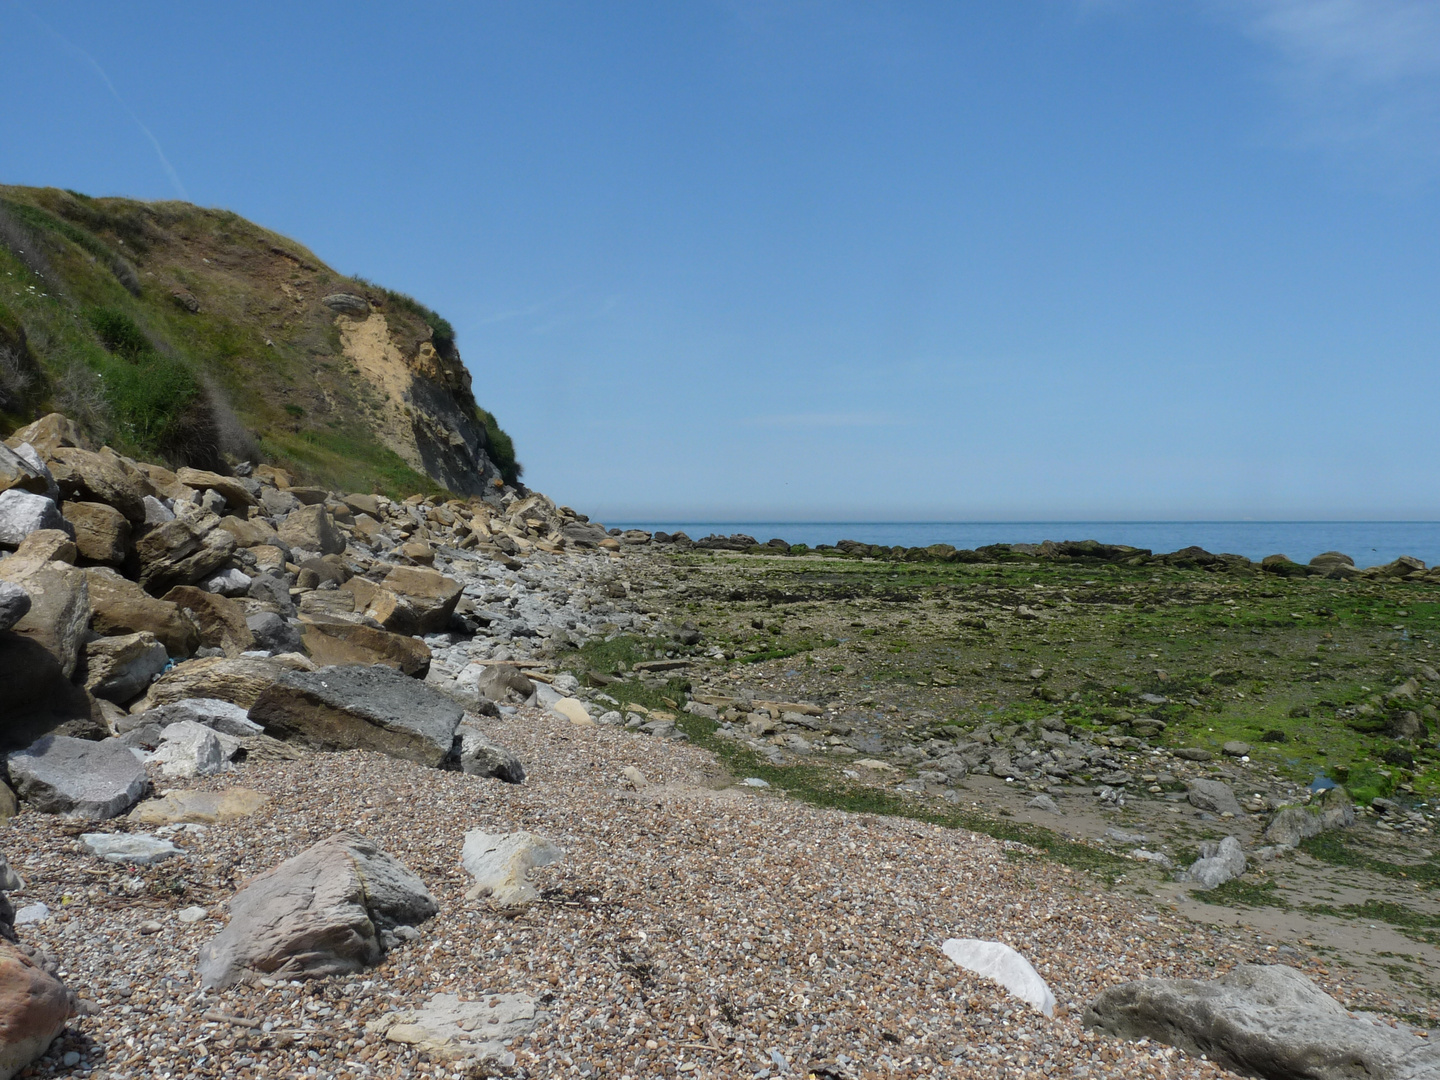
x,y
501,865
1002,964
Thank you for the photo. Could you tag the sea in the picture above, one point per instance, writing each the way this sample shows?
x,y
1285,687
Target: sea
x,y
1369,543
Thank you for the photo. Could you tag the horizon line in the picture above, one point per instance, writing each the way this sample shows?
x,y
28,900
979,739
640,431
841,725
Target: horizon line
x,y
693,520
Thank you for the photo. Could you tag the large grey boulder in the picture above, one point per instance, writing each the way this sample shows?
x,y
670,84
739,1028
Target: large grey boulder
x,y
1218,863
360,708
583,534
180,552
1214,796
59,614
327,911
14,604
24,512
497,682
1264,1020
18,472
477,755
140,849
273,633
77,778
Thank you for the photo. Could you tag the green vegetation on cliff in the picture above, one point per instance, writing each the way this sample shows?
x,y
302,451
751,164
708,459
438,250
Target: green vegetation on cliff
x,y
194,336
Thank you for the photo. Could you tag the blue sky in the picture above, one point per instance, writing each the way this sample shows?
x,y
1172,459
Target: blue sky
x,y
1039,259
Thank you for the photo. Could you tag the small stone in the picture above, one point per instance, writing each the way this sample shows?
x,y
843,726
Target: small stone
x,y
1002,964
31,913
190,915
1044,802
1235,748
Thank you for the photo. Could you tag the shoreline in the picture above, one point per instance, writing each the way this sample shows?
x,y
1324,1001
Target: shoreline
x,y
1368,543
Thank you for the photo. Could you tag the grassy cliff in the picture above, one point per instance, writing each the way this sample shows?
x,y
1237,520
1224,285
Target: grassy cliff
x,y
195,336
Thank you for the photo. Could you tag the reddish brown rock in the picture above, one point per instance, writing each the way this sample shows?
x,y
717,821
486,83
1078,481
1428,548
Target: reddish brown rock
x,y
90,476
34,1006
48,434
334,641
120,606
102,533
429,593
221,620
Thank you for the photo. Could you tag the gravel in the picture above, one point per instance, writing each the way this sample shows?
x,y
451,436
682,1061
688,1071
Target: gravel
x,y
694,928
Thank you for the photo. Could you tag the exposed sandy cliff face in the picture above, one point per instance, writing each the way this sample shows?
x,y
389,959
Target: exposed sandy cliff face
x,y
426,411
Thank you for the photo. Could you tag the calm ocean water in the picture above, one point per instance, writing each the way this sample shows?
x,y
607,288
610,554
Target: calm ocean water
x,y
1369,543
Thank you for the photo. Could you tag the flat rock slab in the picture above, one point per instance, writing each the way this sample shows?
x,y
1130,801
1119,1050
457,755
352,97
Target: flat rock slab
x,y
240,680
223,716
454,1030
319,913
501,863
360,708
199,807
1264,1020
1001,964
138,848
77,778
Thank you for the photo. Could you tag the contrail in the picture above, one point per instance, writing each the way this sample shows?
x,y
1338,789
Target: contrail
x,y
105,78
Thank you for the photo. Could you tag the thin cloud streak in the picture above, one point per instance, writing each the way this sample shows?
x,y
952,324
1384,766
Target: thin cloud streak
x,y
114,93
820,420
1361,41
1365,74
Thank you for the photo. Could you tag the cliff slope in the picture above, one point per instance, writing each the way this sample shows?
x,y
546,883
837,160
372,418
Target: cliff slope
x,y
197,336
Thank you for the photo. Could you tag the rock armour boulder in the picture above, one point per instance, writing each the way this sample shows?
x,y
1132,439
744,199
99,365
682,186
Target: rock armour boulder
x,y
360,708
77,778
1264,1020
324,912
